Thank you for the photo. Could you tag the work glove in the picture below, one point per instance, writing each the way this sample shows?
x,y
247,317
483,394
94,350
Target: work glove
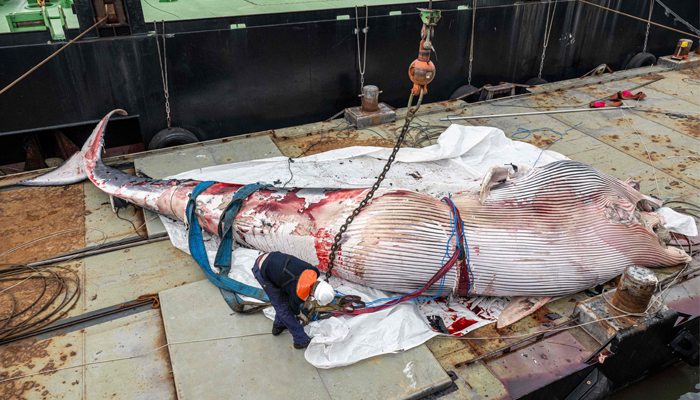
x,y
303,319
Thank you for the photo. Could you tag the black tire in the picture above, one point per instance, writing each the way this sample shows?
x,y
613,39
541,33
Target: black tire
x,y
641,60
462,90
172,137
536,81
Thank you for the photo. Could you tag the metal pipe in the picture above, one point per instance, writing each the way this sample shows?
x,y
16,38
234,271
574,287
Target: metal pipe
x,y
536,113
98,250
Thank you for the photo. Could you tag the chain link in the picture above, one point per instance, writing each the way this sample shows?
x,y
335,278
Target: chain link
x,y
471,47
646,36
547,31
163,71
410,114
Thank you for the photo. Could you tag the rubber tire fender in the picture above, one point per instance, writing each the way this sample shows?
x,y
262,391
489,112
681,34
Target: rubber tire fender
x,y
536,81
462,90
171,137
641,60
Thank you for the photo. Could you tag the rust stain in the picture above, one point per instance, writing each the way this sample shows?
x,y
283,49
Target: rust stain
x,y
693,73
331,142
650,77
23,353
31,213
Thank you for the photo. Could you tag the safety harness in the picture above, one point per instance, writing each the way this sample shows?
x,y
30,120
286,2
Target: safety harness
x,y
230,288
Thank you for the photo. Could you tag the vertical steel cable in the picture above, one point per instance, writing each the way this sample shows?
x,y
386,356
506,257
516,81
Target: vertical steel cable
x,y
361,62
547,31
163,71
471,47
646,36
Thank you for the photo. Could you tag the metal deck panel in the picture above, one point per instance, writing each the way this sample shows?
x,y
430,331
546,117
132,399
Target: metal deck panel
x,y
146,377
683,84
120,276
578,146
613,128
240,367
662,104
101,221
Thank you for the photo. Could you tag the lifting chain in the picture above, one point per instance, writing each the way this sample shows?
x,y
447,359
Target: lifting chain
x,y
410,114
163,71
646,36
547,30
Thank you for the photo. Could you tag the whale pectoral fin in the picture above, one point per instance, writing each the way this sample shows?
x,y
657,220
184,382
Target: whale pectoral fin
x,y
499,175
519,308
67,173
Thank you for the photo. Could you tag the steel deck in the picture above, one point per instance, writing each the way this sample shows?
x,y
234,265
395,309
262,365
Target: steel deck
x,y
605,140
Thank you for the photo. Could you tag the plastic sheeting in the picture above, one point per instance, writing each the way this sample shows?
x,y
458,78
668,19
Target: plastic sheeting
x,y
462,153
677,222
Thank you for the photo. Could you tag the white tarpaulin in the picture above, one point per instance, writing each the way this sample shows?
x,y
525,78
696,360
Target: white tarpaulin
x,y
463,153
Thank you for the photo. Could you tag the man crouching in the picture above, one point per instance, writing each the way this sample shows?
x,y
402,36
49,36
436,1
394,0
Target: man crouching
x,y
288,282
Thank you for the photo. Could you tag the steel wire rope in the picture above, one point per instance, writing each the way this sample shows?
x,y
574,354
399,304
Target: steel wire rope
x,y
637,18
6,88
684,22
547,32
646,35
361,62
471,46
163,70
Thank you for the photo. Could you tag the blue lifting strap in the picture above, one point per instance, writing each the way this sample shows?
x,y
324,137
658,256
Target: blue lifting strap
x,y
223,256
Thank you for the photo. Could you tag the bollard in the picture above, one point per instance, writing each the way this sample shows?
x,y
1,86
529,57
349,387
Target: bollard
x,y
635,289
682,49
370,98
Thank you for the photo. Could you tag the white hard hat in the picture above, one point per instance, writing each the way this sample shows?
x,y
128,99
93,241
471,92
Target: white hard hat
x,y
324,293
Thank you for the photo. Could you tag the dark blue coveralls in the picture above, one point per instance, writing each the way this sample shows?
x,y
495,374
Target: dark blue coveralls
x,y
278,277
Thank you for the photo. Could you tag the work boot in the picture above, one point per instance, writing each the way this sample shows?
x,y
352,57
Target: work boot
x,y
300,346
277,329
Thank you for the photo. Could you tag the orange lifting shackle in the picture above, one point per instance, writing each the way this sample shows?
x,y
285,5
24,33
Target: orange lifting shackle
x,y
421,71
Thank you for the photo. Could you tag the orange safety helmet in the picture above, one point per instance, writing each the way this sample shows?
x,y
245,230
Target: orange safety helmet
x,y
306,281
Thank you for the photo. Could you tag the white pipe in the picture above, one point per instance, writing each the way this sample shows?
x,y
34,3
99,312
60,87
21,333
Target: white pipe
x,y
536,113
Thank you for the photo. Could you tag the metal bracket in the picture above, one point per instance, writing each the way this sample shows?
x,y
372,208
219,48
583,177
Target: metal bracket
x,y
430,17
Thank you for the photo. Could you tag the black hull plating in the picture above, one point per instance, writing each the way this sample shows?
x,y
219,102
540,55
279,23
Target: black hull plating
x,y
294,68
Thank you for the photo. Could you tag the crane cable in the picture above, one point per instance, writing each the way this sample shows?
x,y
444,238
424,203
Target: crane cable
x,y
51,56
471,47
547,32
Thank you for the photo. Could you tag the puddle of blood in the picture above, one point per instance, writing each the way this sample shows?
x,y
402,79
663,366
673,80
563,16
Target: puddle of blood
x,y
460,325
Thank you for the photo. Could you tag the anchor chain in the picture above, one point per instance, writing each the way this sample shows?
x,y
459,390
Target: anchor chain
x,y
410,114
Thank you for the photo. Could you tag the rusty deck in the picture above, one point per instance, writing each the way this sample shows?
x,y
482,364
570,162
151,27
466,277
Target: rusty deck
x,y
656,144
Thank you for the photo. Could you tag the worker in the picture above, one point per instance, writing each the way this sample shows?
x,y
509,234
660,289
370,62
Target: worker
x,y
288,282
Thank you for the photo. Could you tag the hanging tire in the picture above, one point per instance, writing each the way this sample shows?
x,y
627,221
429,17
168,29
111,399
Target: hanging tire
x,y
641,60
536,81
172,137
462,90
